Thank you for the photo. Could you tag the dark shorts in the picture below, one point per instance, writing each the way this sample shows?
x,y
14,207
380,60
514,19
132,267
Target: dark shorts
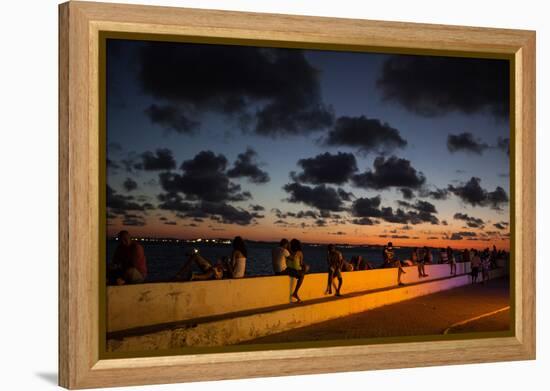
x,y
475,271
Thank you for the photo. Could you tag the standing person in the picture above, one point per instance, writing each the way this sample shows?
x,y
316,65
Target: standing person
x,y
296,266
418,261
129,265
466,255
494,257
443,256
426,258
475,264
452,260
335,261
485,266
279,256
237,263
390,261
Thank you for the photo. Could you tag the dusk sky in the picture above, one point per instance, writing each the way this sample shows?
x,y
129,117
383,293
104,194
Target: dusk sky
x,y
214,141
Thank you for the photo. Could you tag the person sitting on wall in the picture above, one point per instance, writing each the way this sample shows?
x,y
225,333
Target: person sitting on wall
x,y
279,255
208,271
232,267
129,265
295,266
236,265
388,255
335,261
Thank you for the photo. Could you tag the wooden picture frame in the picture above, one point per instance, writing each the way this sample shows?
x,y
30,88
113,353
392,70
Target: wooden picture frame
x,y
80,24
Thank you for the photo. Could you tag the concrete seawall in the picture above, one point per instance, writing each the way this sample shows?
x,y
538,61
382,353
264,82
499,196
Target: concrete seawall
x,y
236,327
133,306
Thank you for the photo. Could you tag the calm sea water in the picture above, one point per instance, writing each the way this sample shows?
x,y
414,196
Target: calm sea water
x,y
165,259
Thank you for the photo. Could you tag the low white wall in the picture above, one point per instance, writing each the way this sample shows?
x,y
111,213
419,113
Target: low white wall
x,y
132,306
233,330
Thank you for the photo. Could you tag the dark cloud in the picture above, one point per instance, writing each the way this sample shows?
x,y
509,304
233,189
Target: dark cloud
x,y
465,142
364,221
320,197
338,233
133,220
391,172
501,225
462,235
504,144
120,204
432,86
365,134
472,193
219,211
408,194
112,165
170,222
161,160
472,222
437,194
420,212
320,223
277,90
227,214
326,168
257,208
129,184
203,178
171,118
345,195
245,166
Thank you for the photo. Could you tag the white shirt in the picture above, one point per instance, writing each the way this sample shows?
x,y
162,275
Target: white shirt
x,y
278,258
239,266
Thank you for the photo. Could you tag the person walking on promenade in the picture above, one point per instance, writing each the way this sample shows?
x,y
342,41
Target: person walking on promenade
x,y
418,261
295,266
485,266
129,265
390,261
452,260
475,264
426,258
335,261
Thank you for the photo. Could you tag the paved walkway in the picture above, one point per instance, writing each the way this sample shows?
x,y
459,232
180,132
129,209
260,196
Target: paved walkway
x,y
426,315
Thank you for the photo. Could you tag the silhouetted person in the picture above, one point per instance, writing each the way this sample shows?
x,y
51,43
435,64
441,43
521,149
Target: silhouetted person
x,y
422,261
207,270
232,267
279,256
452,260
390,261
475,264
295,266
335,261
236,265
129,265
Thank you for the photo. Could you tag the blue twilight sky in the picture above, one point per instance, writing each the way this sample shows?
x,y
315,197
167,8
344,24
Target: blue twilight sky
x,y
259,115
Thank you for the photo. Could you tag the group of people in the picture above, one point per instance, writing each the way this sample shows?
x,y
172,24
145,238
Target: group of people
x,y
129,264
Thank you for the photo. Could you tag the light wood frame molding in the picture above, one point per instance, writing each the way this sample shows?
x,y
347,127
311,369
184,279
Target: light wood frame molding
x,y
80,365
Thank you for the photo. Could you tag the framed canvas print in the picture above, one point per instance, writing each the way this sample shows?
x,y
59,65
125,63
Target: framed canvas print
x,y
247,195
